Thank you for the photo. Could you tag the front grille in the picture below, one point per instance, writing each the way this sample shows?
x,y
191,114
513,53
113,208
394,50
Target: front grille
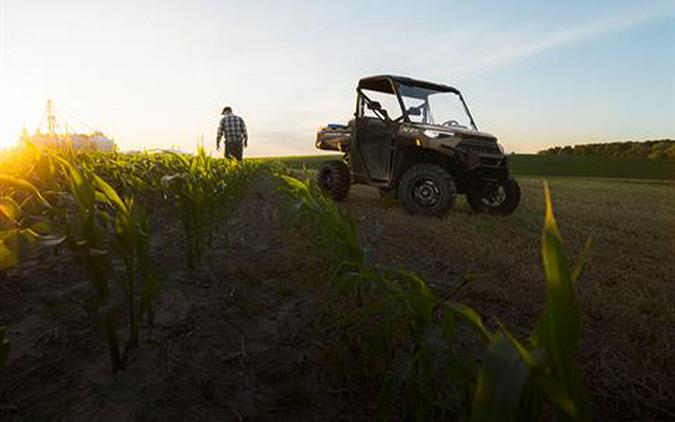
x,y
480,147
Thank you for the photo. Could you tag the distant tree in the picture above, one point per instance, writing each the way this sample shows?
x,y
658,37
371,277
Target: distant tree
x,y
662,149
670,153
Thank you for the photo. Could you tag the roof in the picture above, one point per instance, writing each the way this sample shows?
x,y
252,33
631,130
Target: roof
x,y
380,83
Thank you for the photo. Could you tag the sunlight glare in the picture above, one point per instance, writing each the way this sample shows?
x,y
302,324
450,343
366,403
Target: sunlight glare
x,y
15,114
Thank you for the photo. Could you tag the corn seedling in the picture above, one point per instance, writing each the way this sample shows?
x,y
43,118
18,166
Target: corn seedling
x,y
399,331
102,201
24,229
24,226
101,210
87,237
131,234
203,190
547,367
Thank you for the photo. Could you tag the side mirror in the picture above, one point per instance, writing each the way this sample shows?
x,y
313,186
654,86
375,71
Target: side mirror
x,y
414,111
375,106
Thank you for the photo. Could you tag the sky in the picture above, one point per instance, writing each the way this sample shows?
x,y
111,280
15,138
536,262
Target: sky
x,y
156,74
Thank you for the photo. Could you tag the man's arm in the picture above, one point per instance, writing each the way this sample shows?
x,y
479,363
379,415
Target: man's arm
x,y
244,134
220,133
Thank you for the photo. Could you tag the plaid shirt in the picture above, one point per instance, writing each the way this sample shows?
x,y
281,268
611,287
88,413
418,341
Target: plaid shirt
x,y
232,127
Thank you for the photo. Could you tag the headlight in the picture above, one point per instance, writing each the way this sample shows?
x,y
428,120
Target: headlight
x,y
430,133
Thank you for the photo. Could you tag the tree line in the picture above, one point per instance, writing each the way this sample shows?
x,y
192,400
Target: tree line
x,y
663,149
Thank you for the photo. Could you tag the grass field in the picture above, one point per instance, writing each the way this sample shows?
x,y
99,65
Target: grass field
x,y
548,165
626,293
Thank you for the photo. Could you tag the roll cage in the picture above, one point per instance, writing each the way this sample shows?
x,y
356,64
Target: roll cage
x,y
389,84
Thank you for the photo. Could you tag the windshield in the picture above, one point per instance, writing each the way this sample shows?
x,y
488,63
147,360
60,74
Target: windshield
x,y
433,107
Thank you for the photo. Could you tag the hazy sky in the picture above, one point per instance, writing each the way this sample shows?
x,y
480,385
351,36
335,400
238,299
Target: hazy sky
x,y
157,73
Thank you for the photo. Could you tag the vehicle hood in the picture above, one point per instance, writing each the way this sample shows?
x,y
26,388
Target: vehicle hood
x,y
459,132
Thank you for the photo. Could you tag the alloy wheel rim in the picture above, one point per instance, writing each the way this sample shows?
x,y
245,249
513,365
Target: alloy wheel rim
x,y
495,197
426,193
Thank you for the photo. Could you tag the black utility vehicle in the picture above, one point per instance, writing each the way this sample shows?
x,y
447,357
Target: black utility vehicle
x,y
417,141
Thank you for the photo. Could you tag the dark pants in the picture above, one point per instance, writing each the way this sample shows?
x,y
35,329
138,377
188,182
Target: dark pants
x,y
233,150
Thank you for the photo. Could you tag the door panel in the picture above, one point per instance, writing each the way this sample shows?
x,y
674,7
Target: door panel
x,y
374,144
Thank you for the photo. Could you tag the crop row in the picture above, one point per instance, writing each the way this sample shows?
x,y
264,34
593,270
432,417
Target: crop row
x,y
384,327
99,206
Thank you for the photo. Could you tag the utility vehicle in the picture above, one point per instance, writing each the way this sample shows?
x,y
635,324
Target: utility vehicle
x,y
417,141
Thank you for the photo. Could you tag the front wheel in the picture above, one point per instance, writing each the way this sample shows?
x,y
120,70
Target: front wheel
x,y
502,199
427,189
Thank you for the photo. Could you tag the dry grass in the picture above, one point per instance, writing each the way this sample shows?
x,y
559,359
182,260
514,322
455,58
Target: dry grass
x,y
627,293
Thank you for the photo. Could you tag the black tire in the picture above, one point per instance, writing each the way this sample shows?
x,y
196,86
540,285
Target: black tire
x,y
427,189
334,179
502,199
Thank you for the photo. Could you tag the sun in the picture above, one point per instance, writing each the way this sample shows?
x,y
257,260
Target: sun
x,y
15,115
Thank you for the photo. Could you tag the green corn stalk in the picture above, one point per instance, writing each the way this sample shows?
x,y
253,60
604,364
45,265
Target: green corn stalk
x,y
514,379
21,232
98,213
395,320
86,230
398,322
203,190
87,238
335,235
127,241
23,228
130,229
426,375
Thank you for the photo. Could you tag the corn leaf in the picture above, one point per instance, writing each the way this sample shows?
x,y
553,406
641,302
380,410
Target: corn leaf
x,y
24,185
8,258
582,260
110,193
470,316
559,329
10,209
501,382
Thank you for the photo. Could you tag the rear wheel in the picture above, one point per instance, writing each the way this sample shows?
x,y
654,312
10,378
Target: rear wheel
x,y
427,189
500,199
334,179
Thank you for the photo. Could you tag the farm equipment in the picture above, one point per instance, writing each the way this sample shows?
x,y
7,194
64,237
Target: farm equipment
x,y
417,141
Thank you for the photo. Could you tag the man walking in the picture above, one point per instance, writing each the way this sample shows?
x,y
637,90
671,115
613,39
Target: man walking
x,y
233,129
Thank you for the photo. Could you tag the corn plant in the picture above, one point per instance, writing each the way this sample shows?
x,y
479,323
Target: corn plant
x,y
24,221
546,368
87,233
101,211
131,234
334,234
24,229
203,190
400,331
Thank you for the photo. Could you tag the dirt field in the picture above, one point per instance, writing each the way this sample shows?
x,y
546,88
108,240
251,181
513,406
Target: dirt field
x,y
233,340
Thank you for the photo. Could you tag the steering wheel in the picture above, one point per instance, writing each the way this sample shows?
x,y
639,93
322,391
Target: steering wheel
x,y
450,123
